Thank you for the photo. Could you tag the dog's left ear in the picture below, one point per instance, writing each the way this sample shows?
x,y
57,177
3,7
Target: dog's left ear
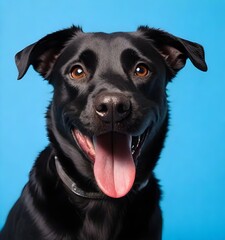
x,y
43,54
176,50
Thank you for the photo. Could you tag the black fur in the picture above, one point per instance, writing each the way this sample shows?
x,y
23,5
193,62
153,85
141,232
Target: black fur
x,y
47,210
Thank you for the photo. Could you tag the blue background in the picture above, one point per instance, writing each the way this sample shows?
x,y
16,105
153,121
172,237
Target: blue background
x,y
192,165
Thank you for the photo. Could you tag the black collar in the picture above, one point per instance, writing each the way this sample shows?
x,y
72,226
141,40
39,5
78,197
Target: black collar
x,y
72,186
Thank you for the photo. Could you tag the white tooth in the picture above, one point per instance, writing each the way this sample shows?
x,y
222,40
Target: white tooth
x,y
130,141
138,142
135,147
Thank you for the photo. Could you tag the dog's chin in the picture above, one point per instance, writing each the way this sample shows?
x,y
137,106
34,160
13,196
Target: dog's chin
x,y
113,155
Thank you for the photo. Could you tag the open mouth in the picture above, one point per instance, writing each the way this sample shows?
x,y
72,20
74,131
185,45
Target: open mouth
x,y
113,155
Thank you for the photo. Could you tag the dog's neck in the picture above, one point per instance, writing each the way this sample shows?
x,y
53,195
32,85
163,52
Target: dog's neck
x,y
72,186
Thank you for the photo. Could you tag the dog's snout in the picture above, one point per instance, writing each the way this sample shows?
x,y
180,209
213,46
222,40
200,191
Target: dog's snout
x,y
113,107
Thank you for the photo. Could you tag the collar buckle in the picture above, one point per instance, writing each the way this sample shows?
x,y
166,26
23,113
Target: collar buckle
x,y
72,186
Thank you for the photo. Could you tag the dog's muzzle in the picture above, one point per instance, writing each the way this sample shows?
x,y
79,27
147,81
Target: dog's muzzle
x,y
113,151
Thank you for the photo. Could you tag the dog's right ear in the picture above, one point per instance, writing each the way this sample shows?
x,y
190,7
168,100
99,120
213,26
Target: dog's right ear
x,y
43,54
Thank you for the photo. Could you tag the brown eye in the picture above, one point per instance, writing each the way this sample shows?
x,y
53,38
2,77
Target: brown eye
x,y
78,72
141,70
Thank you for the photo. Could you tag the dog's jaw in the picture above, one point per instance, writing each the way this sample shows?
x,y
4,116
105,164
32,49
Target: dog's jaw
x,y
114,157
85,144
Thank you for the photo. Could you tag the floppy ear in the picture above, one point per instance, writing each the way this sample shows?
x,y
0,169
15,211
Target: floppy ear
x,y
176,50
43,54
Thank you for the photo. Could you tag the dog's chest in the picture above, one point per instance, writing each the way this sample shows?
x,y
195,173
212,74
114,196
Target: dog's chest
x,y
101,221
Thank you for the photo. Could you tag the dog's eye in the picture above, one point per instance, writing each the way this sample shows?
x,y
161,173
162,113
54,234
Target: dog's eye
x,y
77,72
141,70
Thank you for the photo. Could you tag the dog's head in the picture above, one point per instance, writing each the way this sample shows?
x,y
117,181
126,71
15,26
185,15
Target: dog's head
x,y
109,98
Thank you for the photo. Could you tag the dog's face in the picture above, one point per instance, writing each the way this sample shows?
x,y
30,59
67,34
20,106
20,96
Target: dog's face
x,y
109,95
105,93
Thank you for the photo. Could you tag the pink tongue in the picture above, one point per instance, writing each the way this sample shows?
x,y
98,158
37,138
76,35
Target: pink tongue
x,y
114,167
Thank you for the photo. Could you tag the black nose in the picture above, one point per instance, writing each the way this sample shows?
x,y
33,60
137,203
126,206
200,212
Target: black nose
x,y
112,107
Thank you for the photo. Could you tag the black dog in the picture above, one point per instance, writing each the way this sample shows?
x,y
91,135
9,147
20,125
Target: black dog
x,y
106,124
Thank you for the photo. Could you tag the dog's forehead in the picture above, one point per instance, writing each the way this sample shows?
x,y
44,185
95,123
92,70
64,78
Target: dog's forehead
x,y
109,49
107,38
101,42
